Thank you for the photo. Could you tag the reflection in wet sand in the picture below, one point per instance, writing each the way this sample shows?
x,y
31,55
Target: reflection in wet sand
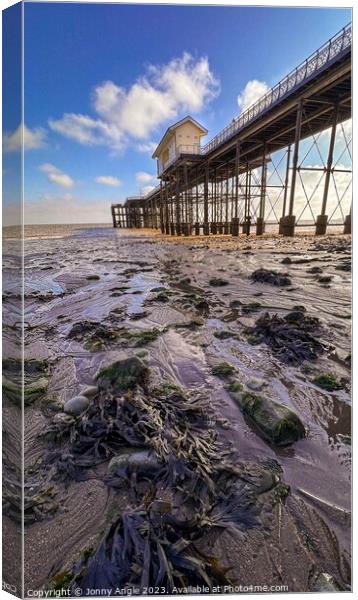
x,y
129,285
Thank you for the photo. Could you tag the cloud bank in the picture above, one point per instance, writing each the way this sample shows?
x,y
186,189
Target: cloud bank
x,y
182,85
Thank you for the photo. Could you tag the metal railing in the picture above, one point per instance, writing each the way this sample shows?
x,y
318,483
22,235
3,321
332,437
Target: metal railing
x,y
326,53
181,149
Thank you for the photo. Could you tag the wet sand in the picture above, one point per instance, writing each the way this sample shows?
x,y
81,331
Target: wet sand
x,y
312,527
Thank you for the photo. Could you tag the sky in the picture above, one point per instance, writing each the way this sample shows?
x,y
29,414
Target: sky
x,y
103,82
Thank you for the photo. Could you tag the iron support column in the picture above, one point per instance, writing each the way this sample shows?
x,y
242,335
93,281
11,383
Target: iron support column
x,y
206,201
260,224
288,226
177,203
235,220
322,219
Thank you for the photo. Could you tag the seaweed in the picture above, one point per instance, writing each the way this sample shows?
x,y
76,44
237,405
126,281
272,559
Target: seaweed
x,y
328,382
270,276
158,438
223,369
292,338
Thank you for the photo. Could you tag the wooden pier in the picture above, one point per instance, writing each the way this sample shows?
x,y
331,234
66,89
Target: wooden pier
x,y
247,176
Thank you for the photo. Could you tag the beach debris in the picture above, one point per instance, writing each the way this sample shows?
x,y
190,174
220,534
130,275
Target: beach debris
x,y
270,276
327,381
291,338
278,423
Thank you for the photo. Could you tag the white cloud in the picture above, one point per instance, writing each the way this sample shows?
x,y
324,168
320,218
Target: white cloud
x,y
182,85
147,147
143,177
252,91
32,139
55,175
108,180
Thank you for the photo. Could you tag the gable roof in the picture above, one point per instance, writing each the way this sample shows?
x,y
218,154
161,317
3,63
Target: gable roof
x,y
171,130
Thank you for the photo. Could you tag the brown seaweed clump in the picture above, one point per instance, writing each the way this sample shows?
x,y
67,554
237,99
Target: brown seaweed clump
x,y
162,443
293,338
272,277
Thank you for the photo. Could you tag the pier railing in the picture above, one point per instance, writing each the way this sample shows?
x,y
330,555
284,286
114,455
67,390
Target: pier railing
x,y
329,51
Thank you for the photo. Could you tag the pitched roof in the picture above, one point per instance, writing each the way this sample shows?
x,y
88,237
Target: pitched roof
x,y
171,130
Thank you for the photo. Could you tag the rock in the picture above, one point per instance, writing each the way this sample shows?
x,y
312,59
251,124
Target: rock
x,y
123,375
278,423
261,477
35,389
218,282
76,406
326,583
256,384
93,277
63,419
344,439
314,270
143,462
286,261
90,391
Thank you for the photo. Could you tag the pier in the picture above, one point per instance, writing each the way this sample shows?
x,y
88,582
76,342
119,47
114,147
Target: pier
x,y
247,177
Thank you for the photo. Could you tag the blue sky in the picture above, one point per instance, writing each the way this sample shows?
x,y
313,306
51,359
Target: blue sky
x,y
123,73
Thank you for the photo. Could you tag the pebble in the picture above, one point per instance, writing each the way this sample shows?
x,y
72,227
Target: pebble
x,y
76,405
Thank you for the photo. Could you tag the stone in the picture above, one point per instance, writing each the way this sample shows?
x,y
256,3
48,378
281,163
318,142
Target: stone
x,y
143,462
76,406
124,375
276,422
256,384
90,391
326,583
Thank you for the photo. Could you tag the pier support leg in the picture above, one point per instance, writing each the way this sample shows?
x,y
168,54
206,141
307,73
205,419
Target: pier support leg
x,y
287,176
197,228
260,223
235,227
321,224
235,220
260,226
206,228
347,224
322,219
288,226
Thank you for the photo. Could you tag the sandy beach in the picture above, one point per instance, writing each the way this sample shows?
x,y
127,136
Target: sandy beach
x,y
202,326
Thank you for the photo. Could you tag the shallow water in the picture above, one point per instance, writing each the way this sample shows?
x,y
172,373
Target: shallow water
x,y
129,266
